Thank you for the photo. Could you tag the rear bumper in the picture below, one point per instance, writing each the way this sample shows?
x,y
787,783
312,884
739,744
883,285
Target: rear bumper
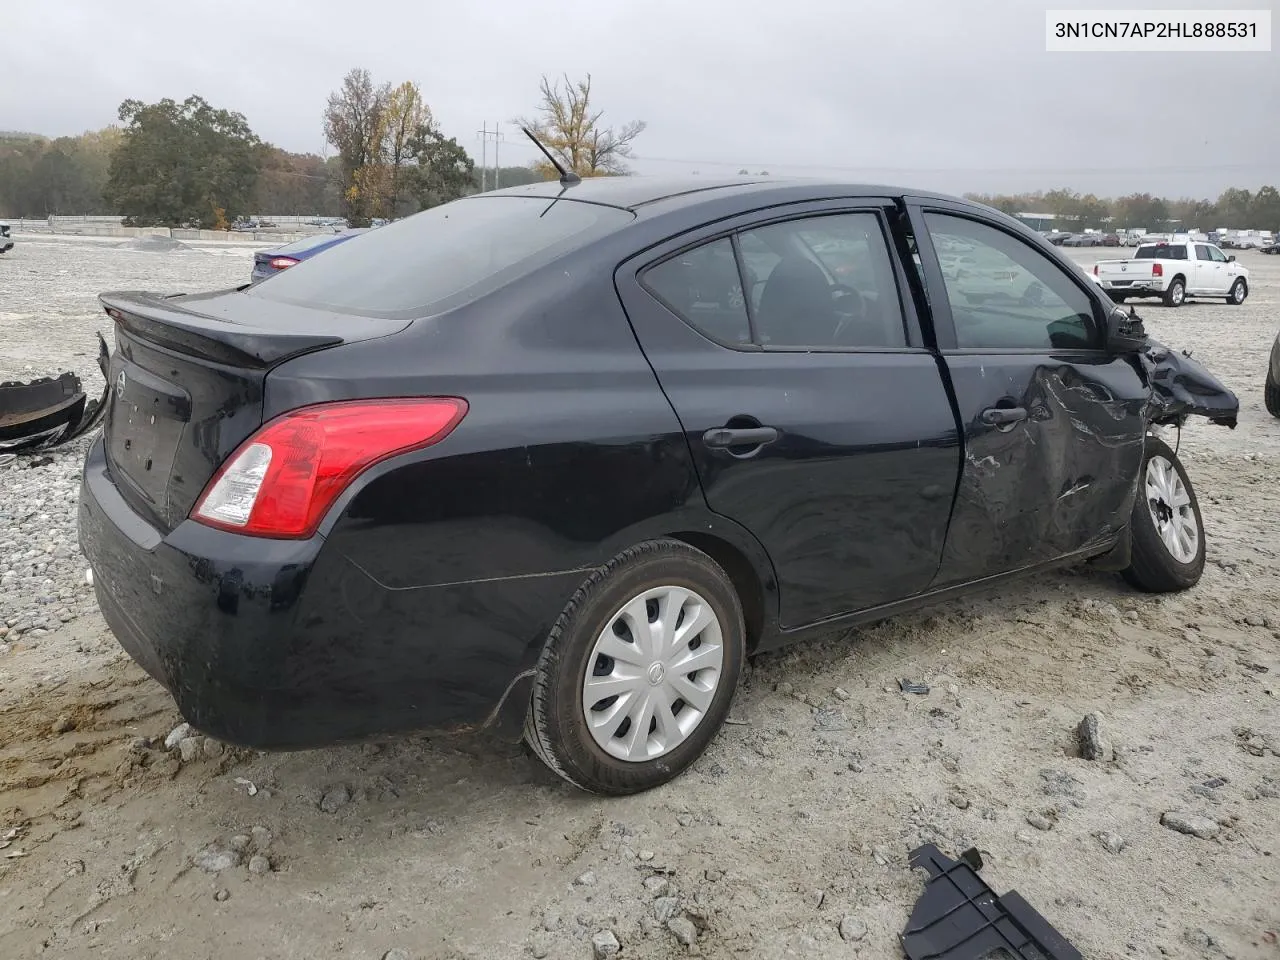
x,y
1135,287
277,644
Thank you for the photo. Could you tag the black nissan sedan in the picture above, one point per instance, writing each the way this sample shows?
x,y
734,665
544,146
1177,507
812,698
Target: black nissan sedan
x,y
553,460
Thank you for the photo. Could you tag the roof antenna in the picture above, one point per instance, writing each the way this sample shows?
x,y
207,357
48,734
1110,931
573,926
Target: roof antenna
x,y
567,177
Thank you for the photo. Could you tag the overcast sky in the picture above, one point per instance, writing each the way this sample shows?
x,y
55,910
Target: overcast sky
x,y
952,95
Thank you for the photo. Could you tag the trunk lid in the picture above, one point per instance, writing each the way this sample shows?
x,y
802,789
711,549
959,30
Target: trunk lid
x,y
186,385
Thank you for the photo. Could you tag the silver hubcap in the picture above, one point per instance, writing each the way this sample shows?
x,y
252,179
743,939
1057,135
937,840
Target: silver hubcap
x,y
1238,292
1170,506
1176,296
653,674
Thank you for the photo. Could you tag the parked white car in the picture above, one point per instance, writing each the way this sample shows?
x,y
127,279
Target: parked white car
x,y
1173,272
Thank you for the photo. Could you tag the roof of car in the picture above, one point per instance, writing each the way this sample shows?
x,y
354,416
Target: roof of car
x,y
632,192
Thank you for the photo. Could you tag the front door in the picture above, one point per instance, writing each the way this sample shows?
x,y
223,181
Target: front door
x,y
1210,277
815,416
1053,425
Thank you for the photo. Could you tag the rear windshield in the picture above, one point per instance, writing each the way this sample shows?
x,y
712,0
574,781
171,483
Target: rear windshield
x,y
306,243
1161,251
442,257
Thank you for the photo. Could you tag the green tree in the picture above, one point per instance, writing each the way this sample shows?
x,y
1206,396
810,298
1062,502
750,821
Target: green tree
x,y
182,163
570,127
1264,211
441,172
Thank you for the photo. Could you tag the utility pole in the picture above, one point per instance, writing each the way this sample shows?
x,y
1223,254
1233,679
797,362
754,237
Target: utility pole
x,y
485,135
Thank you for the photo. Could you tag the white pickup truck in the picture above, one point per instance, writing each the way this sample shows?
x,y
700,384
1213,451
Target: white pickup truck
x,y
1174,271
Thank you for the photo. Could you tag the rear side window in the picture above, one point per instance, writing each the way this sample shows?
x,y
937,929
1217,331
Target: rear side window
x,y
703,287
442,257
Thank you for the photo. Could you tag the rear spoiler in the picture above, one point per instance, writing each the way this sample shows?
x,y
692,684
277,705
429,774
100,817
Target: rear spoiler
x,y
168,323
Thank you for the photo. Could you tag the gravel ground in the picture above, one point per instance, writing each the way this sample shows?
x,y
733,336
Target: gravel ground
x,y
788,839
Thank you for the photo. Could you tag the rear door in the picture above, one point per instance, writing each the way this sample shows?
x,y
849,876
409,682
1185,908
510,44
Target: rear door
x,y
815,415
1053,425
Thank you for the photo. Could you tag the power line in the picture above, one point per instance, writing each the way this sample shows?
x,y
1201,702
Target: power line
x,y
485,135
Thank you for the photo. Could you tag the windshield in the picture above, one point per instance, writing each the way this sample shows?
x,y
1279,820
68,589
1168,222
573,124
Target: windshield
x,y
442,257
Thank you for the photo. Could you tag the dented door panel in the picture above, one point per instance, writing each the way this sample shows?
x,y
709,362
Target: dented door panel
x,y
1058,481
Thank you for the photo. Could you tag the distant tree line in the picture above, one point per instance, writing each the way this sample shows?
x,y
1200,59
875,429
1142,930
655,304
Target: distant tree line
x,y
1235,209
190,163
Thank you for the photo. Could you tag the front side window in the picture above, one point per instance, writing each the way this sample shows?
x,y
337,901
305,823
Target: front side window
x,y
1005,294
1218,255
1203,252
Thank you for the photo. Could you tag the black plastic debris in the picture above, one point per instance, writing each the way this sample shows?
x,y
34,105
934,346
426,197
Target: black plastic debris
x,y
913,686
958,917
51,411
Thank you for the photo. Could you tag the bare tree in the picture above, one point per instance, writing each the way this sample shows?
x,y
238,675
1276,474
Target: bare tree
x,y
571,129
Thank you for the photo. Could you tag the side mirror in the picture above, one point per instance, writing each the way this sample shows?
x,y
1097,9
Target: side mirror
x,y
1125,332
1231,259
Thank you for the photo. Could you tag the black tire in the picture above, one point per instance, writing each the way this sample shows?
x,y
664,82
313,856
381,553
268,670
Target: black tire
x,y
1118,297
1172,299
1271,395
1153,567
556,729
1239,290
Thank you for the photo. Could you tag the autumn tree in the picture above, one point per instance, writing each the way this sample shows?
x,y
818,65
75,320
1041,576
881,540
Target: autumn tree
x,y
181,163
570,126
407,119
354,124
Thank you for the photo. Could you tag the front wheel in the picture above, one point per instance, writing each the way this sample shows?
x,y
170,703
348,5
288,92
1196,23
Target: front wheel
x,y
1166,528
638,672
1239,290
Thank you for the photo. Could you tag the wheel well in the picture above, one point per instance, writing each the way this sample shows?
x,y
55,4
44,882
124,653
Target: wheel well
x,y
1178,276
740,570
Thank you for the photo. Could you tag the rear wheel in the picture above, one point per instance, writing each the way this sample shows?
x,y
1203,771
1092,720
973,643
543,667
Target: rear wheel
x,y
1117,297
1176,293
1165,526
638,673
1272,395
1239,290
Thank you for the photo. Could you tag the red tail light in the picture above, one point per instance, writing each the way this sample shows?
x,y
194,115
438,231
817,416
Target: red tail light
x,y
282,480
280,263
1157,270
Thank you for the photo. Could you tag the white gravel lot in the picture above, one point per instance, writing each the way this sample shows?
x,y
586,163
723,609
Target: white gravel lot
x,y
800,815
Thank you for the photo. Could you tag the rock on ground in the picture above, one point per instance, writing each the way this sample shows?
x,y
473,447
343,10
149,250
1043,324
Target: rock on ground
x,y
1191,824
605,944
1095,738
852,929
683,930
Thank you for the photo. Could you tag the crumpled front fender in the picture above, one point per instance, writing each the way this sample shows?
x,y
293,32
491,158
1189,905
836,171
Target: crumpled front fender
x,y
1183,387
